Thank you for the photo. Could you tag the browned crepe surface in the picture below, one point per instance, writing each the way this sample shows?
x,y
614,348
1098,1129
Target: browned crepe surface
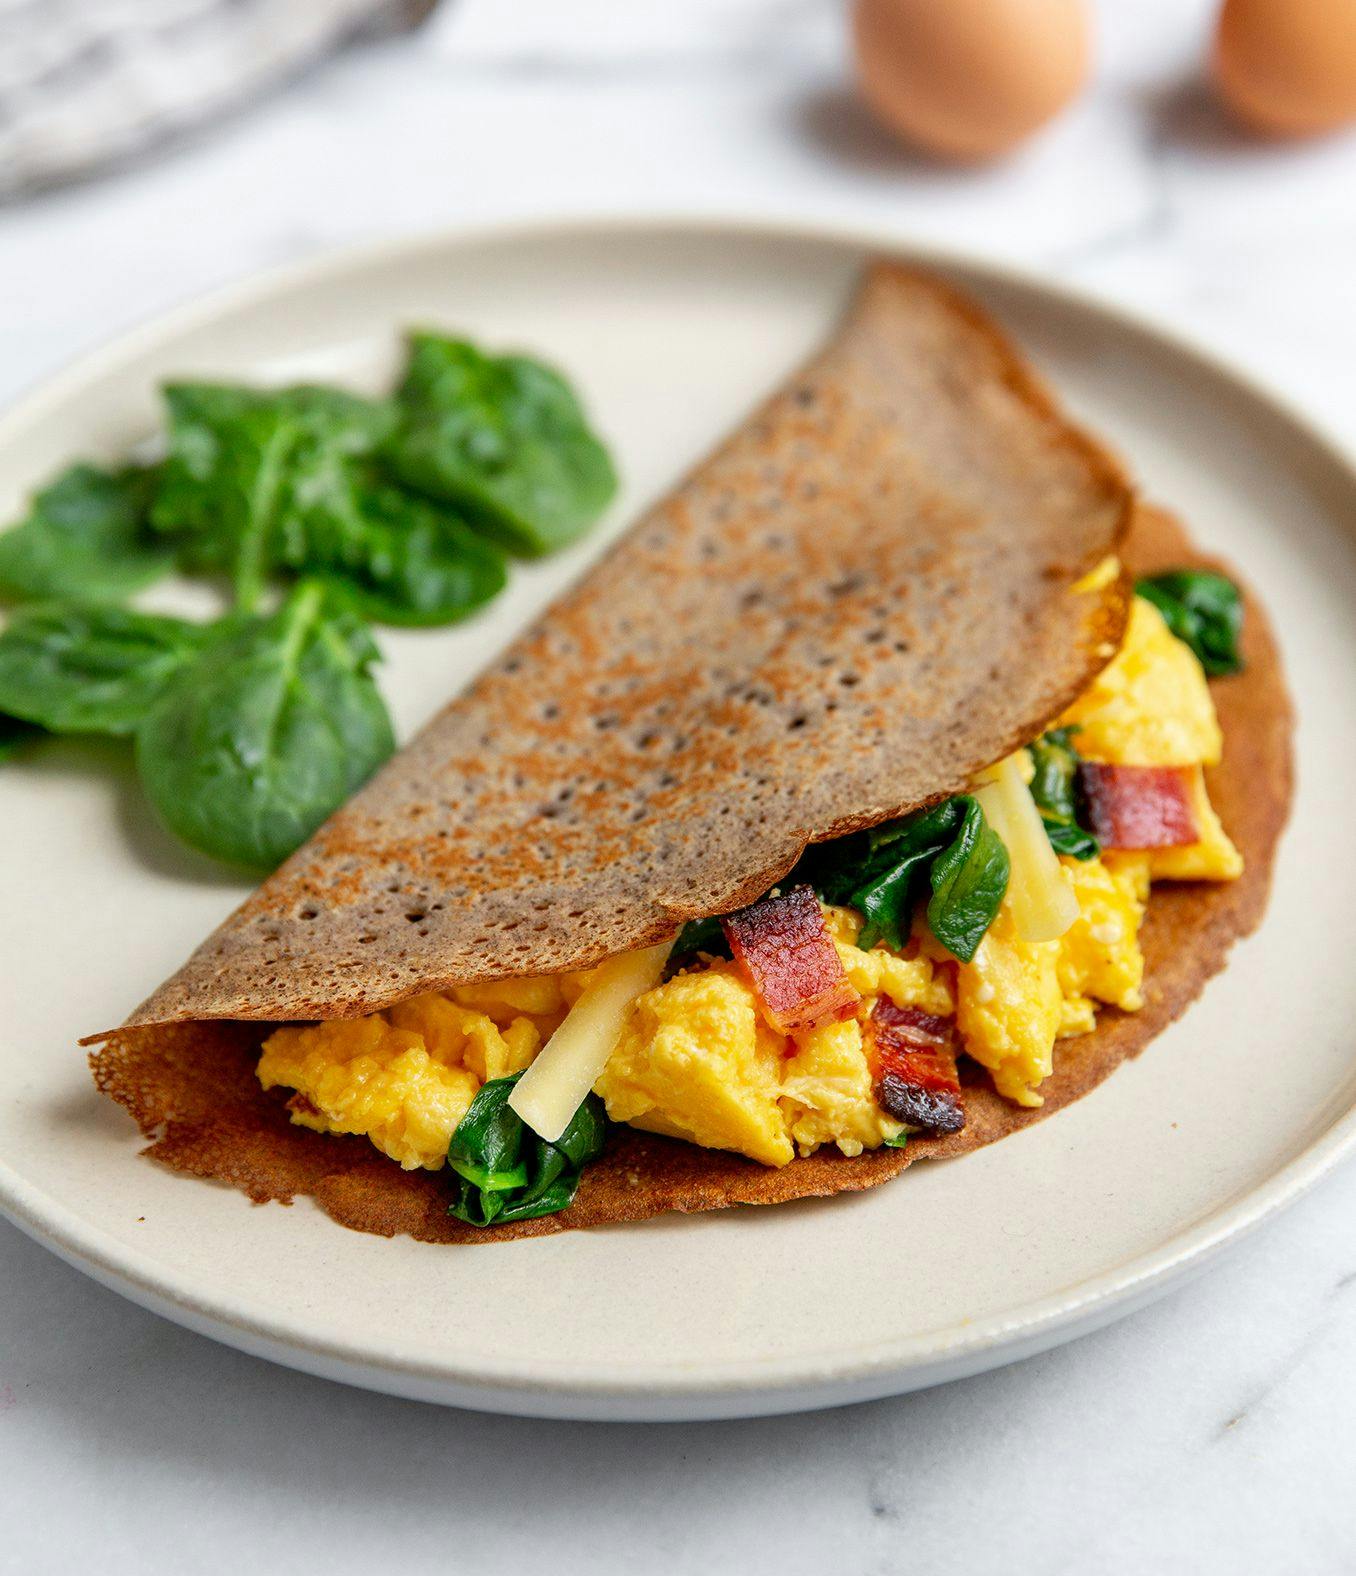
x,y
195,1083
853,605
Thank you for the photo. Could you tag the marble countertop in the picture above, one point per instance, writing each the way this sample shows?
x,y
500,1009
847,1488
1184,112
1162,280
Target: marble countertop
x,y
1210,1432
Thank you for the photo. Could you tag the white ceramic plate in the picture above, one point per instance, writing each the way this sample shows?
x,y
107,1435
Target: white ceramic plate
x,y
673,331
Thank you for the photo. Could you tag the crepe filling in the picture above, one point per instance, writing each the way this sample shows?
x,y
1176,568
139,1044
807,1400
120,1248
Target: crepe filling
x,y
802,1021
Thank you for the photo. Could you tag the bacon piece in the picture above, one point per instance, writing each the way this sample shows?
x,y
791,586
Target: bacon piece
x,y
915,1063
1139,806
790,960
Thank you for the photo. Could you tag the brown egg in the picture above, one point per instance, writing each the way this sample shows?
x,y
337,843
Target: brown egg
x,y
1288,66
968,79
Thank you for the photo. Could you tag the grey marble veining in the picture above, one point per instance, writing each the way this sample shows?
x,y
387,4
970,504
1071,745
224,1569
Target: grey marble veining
x,y
1209,1433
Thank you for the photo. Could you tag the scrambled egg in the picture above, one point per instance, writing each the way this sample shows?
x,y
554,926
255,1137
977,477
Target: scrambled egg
x,y
1151,705
407,1076
696,1060
363,1075
1009,1008
1099,957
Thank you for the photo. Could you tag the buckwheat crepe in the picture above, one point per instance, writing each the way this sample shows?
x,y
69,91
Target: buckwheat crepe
x,y
861,599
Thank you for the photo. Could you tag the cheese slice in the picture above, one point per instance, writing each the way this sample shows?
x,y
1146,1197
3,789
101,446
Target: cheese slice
x,y
569,1064
1042,901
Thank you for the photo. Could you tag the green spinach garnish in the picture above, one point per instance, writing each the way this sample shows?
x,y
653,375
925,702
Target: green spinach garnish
x,y
258,481
91,668
85,537
501,436
882,872
1055,790
1203,609
505,1172
276,723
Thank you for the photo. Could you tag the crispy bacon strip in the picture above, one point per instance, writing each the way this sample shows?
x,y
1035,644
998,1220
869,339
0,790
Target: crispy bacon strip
x,y
915,1062
790,960
1139,806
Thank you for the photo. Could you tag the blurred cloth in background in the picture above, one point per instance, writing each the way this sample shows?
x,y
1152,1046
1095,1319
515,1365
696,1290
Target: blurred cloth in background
x,y
86,82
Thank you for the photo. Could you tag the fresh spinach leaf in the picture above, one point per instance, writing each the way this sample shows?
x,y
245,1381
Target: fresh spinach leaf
x,y
505,1172
881,873
899,1141
404,561
248,470
85,538
1203,609
16,736
502,436
90,668
272,727
259,480
1054,787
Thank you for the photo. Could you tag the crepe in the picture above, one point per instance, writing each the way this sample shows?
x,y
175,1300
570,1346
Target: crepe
x,y
191,1083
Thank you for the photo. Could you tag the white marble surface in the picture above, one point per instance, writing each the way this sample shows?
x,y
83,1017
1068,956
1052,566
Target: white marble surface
x,y
1211,1433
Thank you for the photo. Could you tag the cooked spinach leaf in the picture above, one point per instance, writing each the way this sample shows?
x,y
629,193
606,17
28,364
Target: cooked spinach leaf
x,y
899,1141
505,1172
1203,609
881,873
273,726
969,877
90,668
503,436
1055,790
16,736
86,538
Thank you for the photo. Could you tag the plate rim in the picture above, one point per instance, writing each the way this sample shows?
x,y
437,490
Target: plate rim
x,y
707,1390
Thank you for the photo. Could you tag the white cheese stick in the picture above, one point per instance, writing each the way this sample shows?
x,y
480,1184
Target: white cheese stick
x,y
568,1065
1042,901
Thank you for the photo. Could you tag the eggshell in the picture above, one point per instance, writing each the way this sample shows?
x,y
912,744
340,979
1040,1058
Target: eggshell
x,y
1288,67
969,79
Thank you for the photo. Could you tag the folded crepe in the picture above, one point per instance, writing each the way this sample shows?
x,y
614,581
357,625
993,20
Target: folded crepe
x,y
860,601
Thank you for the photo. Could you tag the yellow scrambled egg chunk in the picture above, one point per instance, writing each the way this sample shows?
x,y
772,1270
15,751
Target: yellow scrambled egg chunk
x,y
1016,998
362,1075
1009,1008
696,1061
828,1094
405,1077
1099,957
906,981
1151,705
